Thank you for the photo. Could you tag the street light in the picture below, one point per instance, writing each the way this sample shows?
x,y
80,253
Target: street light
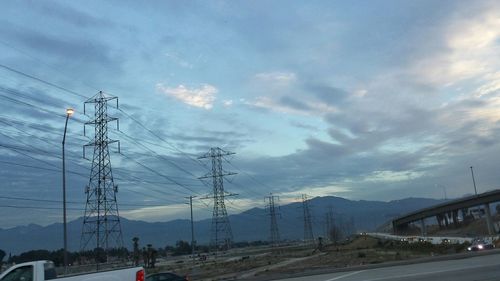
x,y
69,112
473,180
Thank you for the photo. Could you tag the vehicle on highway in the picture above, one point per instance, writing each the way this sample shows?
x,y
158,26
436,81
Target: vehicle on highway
x,y
165,276
479,245
45,270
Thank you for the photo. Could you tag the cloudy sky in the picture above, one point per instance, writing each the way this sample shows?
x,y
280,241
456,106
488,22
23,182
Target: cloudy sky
x,y
368,100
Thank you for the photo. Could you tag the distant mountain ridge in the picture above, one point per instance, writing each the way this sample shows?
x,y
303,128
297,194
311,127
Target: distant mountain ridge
x,y
249,225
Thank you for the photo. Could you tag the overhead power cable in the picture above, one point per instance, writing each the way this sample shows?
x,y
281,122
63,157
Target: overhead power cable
x,y
41,81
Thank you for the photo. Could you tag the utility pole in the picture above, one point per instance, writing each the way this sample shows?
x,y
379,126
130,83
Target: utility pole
x,y
473,180
192,226
222,235
274,231
101,222
308,233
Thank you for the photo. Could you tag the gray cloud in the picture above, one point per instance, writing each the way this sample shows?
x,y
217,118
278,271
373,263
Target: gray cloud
x,y
291,102
326,93
67,51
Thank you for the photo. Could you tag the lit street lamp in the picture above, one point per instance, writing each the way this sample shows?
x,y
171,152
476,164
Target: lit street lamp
x,y
69,112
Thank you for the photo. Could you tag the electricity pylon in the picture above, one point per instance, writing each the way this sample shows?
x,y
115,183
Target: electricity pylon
x,y
274,231
101,222
221,235
308,233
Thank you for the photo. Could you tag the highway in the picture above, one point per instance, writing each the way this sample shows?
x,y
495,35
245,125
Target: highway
x,y
476,268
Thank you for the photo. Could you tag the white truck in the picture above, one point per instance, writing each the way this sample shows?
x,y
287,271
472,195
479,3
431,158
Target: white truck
x,y
45,270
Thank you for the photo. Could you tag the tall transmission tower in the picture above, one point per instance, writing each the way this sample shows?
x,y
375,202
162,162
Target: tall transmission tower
x,y
274,231
330,228
222,235
101,222
308,233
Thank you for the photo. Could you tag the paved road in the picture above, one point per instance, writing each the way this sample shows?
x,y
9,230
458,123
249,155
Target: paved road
x,y
478,268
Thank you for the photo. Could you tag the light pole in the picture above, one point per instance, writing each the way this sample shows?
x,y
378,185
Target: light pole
x,y
69,112
473,180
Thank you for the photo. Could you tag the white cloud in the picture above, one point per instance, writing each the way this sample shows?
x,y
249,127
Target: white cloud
x,y
471,47
277,77
491,87
310,107
392,176
203,97
227,103
156,213
314,191
178,60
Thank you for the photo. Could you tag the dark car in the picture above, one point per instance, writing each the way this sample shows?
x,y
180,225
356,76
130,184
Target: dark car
x,y
479,245
165,276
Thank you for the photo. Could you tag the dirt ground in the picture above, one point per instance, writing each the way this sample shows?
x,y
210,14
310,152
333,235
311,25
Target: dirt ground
x,y
250,262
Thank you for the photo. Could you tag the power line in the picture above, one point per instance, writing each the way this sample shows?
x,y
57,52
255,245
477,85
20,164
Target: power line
x,y
38,208
160,174
76,202
249,175
41,80
82,96
72,92
161,138
157,155
42,62
51,155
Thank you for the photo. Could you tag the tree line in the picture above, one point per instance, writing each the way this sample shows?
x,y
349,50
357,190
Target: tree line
x,y
145,255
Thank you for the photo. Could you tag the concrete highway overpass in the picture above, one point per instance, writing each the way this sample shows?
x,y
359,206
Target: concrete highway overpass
x,y
452,213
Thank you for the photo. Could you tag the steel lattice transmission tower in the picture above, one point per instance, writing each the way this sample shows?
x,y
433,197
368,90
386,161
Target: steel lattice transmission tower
x,y
222,235
308,233
101,222
274,231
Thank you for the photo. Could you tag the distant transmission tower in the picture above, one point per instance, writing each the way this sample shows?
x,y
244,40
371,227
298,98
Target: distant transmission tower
x,y
222,236
275,234
330,224
101,222
308,233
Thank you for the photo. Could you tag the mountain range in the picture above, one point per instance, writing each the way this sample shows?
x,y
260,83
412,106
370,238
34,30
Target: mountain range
x,y
250,225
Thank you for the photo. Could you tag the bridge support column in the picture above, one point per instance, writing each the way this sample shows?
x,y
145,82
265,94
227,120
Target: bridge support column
x,y
489,222
424,230
455,218
439,219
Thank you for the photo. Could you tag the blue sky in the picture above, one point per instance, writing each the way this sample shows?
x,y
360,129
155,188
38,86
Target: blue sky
x,y
372,100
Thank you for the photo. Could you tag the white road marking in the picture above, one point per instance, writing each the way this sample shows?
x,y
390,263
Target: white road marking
x,y
345,275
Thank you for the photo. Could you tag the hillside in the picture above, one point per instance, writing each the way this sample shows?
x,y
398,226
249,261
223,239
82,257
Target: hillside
x,y
250,225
